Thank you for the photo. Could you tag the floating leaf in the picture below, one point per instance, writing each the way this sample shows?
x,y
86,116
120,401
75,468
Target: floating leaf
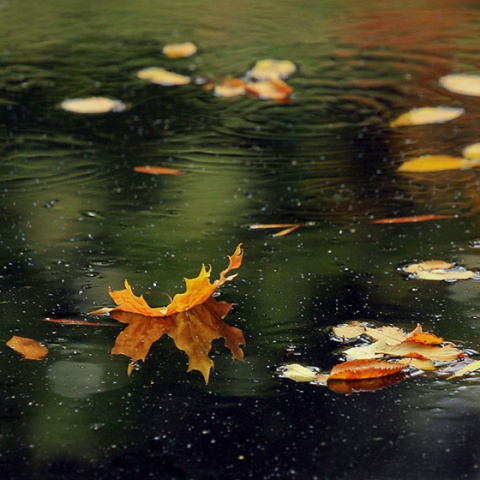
x,y
30,349
471,367
427,115
352,330
462,83
271,68
286,228
436,353
438,270
180,50
472,152
298,373
428,265
93,105
437,163
83,323
198,290
273,89
157,170
163,77
192,331
230,87
363,369
413,219
367,352
420,363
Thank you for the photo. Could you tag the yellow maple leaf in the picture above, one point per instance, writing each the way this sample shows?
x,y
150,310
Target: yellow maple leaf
x,y
198,290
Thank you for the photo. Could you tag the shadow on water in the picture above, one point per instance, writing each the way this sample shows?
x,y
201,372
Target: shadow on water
x,y
77,219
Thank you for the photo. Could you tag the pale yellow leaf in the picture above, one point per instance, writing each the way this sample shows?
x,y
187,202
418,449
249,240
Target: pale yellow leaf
x,y
348,331
472,152
369,351
163,77
427,265
437,353
471,367
92,105
462,83
457,273
389,335
270,68
437,163
180,50
426,115
421,364
298,373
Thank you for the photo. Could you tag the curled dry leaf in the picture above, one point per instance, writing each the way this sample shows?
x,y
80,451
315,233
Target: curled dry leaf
x,y
151,170
427,115
198,290
472,152
271,68
163,77
273,89
298,373
462,83
437,163
180,50
92,105
230,87
30,349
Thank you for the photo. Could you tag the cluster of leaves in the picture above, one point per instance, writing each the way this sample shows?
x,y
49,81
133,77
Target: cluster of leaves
x,y
438,270
462,84
386,356
193,319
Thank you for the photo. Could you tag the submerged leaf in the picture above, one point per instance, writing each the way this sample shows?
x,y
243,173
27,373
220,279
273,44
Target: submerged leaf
x,y
163,77
92,105
427,115
366,385
30,349
180,50
437,163
198,290
461,83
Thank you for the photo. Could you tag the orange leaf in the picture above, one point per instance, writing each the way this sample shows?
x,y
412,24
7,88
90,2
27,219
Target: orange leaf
x,y
425,338
413,219
30,349
362,369
273,89
198,290
230,87
192,331
437,163
157,170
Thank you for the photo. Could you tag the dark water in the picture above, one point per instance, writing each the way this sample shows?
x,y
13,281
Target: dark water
x,y
76,219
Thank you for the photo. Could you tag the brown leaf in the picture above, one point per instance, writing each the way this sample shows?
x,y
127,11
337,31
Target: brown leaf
x,y
362,369
30,349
